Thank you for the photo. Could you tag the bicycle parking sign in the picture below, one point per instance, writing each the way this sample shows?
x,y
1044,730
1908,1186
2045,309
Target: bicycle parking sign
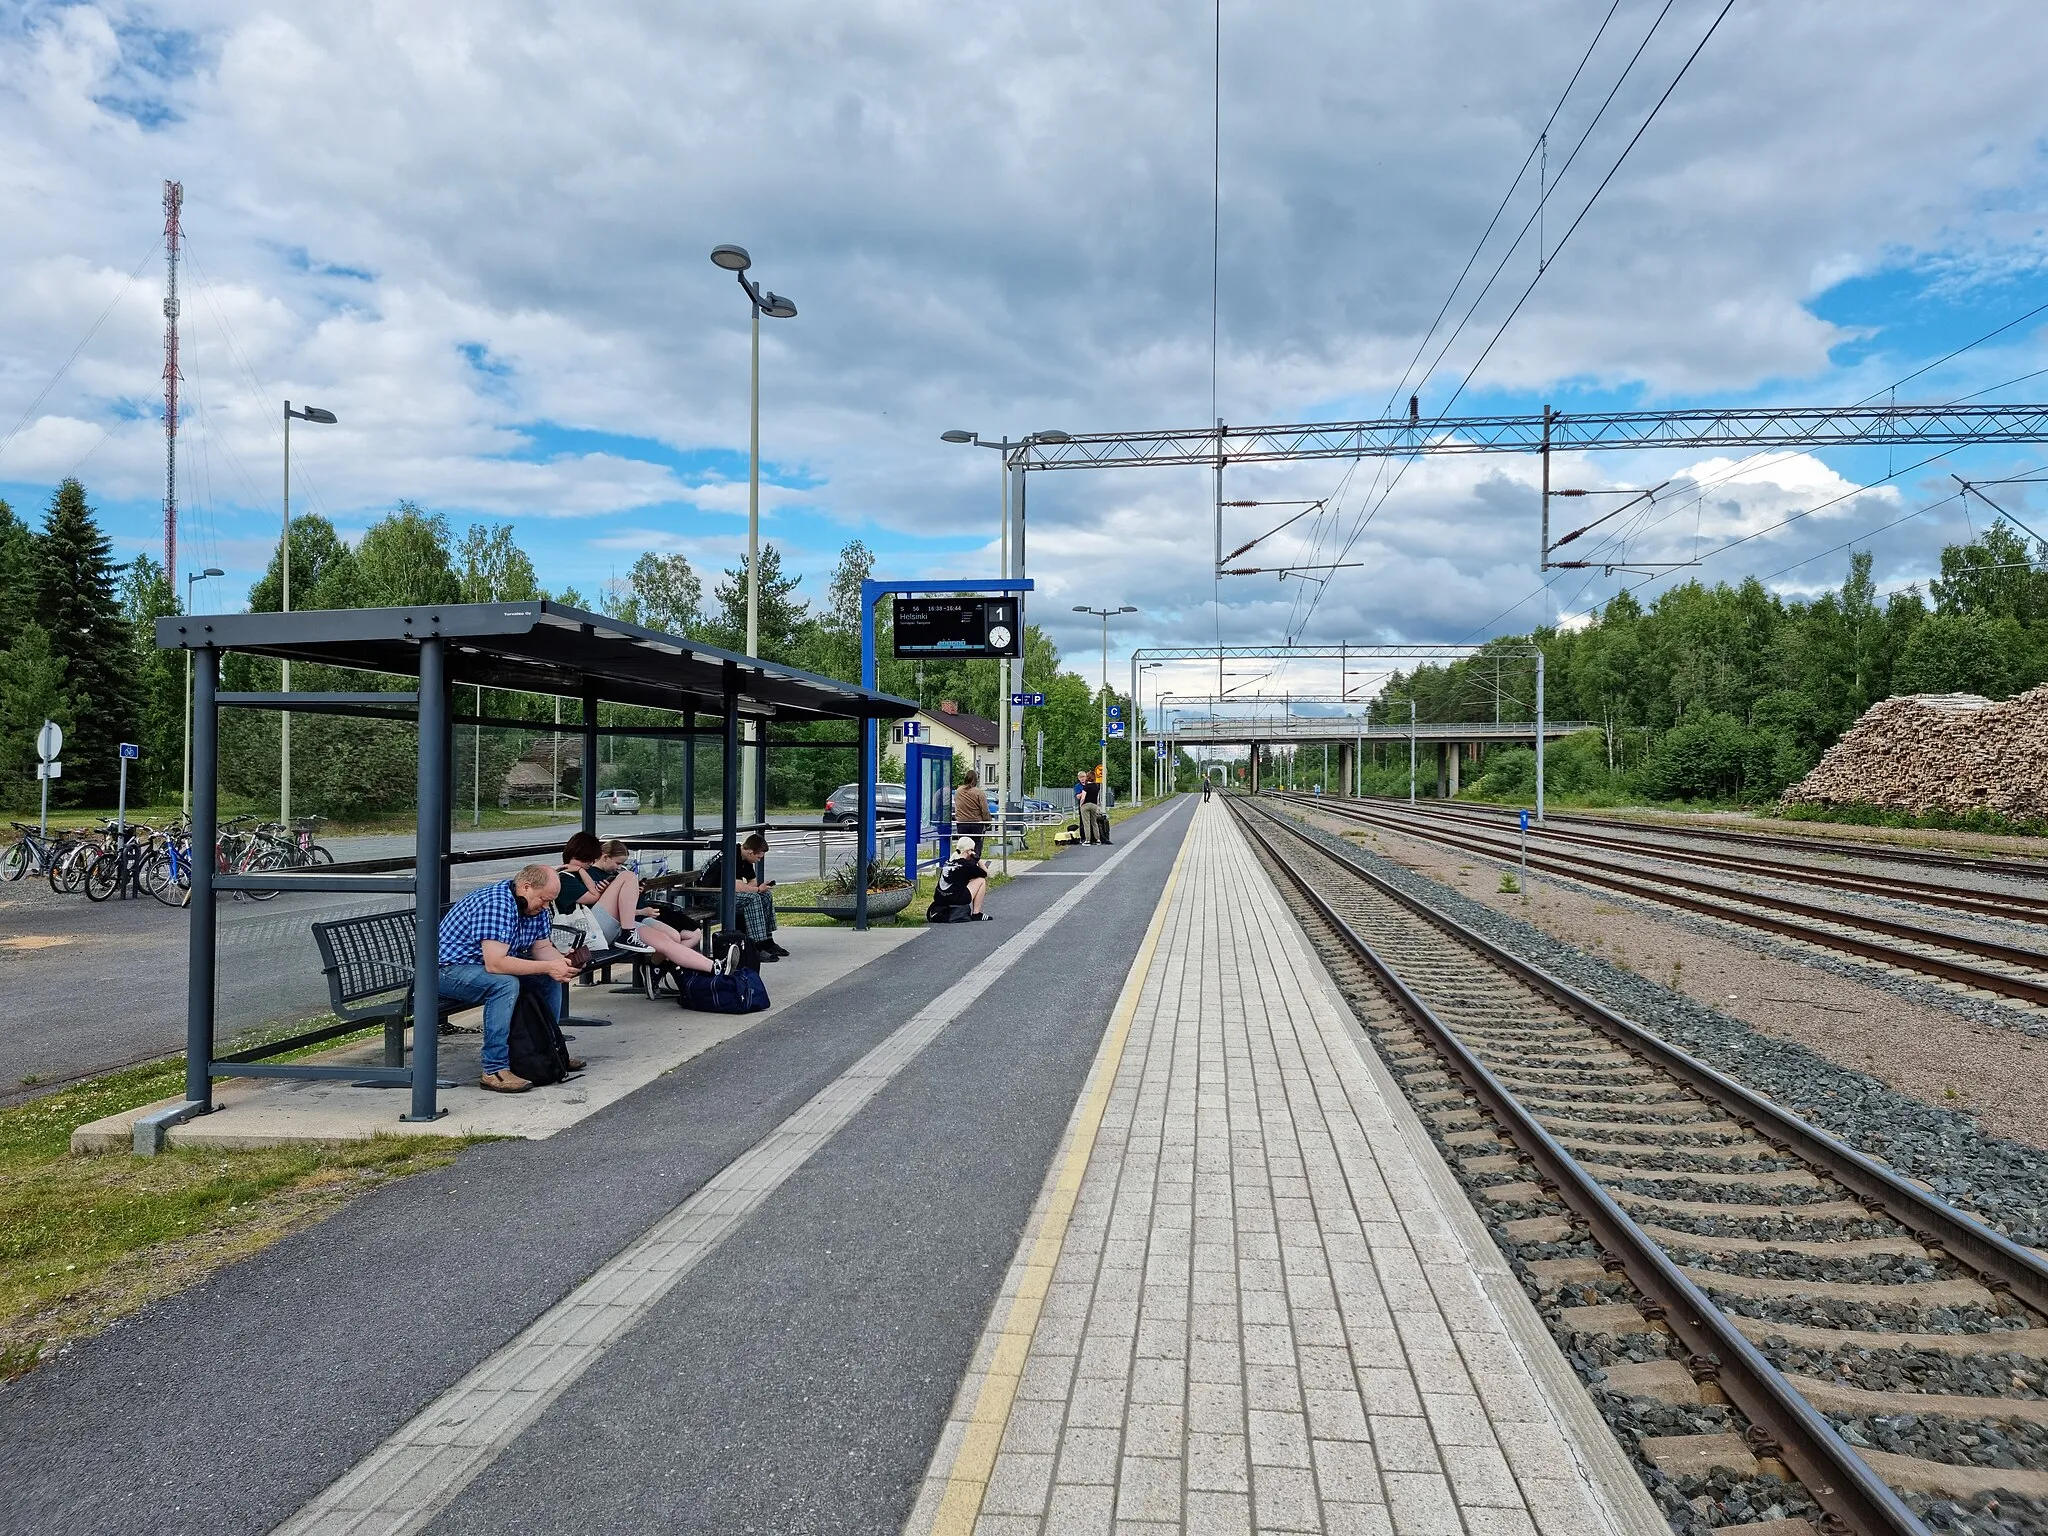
x,y
130,751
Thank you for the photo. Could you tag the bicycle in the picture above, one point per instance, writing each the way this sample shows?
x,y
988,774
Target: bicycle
x,y
74,857
30,854
119,867
167,870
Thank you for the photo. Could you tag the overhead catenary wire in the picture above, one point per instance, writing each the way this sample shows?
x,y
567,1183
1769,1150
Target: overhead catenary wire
x,y
1563,240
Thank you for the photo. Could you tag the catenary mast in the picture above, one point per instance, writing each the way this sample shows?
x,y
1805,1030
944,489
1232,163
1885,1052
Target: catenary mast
x,y
174,202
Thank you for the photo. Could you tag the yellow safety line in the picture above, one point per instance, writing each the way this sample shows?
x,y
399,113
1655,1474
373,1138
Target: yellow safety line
x,y
976,1458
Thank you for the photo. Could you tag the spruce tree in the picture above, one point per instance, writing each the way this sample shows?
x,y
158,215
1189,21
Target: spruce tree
x,y
17,575
76,605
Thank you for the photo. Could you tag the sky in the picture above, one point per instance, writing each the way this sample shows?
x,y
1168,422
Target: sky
x,y
479,233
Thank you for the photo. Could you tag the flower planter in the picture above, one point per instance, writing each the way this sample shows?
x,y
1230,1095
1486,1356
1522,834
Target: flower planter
x,y
880,903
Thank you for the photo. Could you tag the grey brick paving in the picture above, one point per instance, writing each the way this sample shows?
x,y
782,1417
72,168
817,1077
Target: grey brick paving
x,y
1261,1319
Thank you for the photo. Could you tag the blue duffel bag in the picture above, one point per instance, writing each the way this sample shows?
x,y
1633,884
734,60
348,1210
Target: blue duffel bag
x,y
714,992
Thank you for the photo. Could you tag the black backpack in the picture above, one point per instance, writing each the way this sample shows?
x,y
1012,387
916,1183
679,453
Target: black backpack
x,y
539,1053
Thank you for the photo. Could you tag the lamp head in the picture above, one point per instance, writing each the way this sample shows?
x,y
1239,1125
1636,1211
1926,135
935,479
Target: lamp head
x,y
1127,608
957,436
776,307
1052,437
733,258
1082,608
211,570
314,413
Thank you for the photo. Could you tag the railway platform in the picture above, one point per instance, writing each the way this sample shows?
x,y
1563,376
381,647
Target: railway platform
x,y
1098,1217
1251,1297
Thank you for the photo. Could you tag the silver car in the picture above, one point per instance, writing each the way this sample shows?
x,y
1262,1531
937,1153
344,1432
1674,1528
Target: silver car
x,y
618,802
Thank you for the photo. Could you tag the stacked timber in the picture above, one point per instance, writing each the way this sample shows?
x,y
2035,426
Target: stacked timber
x,y
1946,752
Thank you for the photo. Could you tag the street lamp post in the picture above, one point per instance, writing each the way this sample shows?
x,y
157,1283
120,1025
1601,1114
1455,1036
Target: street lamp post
x,y
185,800
734,259
311,413
1105,614
1011,561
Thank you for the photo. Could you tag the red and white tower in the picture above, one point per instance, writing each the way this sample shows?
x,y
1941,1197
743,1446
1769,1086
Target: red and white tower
x,y
174,202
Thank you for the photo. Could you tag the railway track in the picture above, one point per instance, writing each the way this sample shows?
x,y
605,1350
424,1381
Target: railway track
x,y
2013,906
2005,865
2007,970
1708,1252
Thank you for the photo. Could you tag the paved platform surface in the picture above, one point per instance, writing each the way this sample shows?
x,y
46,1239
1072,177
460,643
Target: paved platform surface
x,y
1242,1303
644,1040
786,1286
793,1376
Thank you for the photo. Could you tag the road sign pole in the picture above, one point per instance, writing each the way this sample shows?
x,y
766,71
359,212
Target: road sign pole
x,y
121,805
45,824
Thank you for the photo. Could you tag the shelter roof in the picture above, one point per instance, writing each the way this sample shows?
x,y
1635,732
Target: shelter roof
x,y
535,647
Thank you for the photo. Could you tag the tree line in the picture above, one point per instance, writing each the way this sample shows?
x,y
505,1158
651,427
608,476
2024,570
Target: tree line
x,y
77,645
1732,692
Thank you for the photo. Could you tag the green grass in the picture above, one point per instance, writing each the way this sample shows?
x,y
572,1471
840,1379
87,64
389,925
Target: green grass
x,y
85,1241
1990,822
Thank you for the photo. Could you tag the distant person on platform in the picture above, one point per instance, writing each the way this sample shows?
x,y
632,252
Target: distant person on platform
x,y
970,807
494,945
1094,825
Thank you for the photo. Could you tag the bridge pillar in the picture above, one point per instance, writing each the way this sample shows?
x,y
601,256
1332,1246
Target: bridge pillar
x,y
1255,767
1346,764
1456,757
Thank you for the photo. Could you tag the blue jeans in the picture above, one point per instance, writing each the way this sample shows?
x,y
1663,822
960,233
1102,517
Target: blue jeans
x,y
499,994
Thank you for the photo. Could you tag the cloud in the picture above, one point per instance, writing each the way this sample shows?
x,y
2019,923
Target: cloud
x,y
1002,226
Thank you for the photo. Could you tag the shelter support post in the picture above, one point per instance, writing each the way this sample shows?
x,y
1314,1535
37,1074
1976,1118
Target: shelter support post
x,y
761,774
201,952
864,840
589,778
429,834
729,801
690,787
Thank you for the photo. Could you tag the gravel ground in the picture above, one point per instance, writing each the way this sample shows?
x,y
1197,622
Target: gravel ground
x,y
1936,1079
1913,1370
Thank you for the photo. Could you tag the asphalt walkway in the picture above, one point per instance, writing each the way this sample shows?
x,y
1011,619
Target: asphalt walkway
x,y
777,1263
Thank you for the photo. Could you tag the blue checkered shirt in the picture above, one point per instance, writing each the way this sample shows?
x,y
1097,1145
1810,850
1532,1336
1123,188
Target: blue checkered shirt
x,y
491,912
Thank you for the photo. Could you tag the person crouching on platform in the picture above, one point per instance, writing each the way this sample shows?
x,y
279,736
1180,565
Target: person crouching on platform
x,y
962,885
753,906
594,877
494,944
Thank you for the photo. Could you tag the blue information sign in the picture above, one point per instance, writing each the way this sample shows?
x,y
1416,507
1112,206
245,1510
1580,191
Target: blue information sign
x,y
130,750
1026,700
912,730
1525,821
1116,727
1116,711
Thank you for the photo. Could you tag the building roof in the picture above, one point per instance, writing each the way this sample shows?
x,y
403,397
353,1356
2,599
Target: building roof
x,y
977,729
536,647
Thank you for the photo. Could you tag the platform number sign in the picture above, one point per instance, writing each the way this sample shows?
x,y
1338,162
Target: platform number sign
x,y
1116,711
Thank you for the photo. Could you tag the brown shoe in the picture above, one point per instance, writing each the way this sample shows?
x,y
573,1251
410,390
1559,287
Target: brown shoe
x,y
577,1064
505,1081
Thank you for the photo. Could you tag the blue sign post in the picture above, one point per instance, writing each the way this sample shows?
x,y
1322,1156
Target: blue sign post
x,y
1525,850
872,592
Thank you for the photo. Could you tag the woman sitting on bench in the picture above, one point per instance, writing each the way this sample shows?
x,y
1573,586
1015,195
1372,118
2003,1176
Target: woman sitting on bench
x,y
595,878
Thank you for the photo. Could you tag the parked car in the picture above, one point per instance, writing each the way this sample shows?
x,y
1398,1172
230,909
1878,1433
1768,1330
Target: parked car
x,y
842,806
618,802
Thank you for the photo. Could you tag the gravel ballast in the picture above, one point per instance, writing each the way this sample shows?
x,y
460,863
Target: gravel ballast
x,y
2003,1182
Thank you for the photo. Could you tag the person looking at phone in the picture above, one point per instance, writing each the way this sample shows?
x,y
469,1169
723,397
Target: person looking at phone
x,y
753,893
494,943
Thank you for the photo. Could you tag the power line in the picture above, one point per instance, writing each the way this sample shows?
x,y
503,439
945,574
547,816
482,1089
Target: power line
x,y
1572,229
76,351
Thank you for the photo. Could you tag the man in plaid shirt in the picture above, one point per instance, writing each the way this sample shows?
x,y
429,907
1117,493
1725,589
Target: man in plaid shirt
x,y
494,942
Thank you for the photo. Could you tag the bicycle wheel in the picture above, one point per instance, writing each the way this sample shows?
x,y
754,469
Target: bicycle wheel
x,y
169,877
263,862
315,854
67,870
102,875
15,862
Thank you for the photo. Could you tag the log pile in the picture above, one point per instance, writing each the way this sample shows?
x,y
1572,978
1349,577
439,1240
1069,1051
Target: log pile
x,y
1946,752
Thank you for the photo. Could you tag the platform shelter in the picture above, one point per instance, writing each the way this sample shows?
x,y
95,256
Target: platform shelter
x,y
541,647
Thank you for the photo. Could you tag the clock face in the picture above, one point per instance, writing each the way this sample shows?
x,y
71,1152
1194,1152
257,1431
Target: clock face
x,y
999,636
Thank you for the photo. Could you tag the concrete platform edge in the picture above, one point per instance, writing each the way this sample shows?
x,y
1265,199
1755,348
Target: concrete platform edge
x,y
1614,1486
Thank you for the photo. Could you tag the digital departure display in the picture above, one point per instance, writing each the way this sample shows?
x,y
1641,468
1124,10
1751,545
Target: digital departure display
x,y
957,628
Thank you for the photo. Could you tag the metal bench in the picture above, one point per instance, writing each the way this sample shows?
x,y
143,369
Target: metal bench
x,y
368,962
